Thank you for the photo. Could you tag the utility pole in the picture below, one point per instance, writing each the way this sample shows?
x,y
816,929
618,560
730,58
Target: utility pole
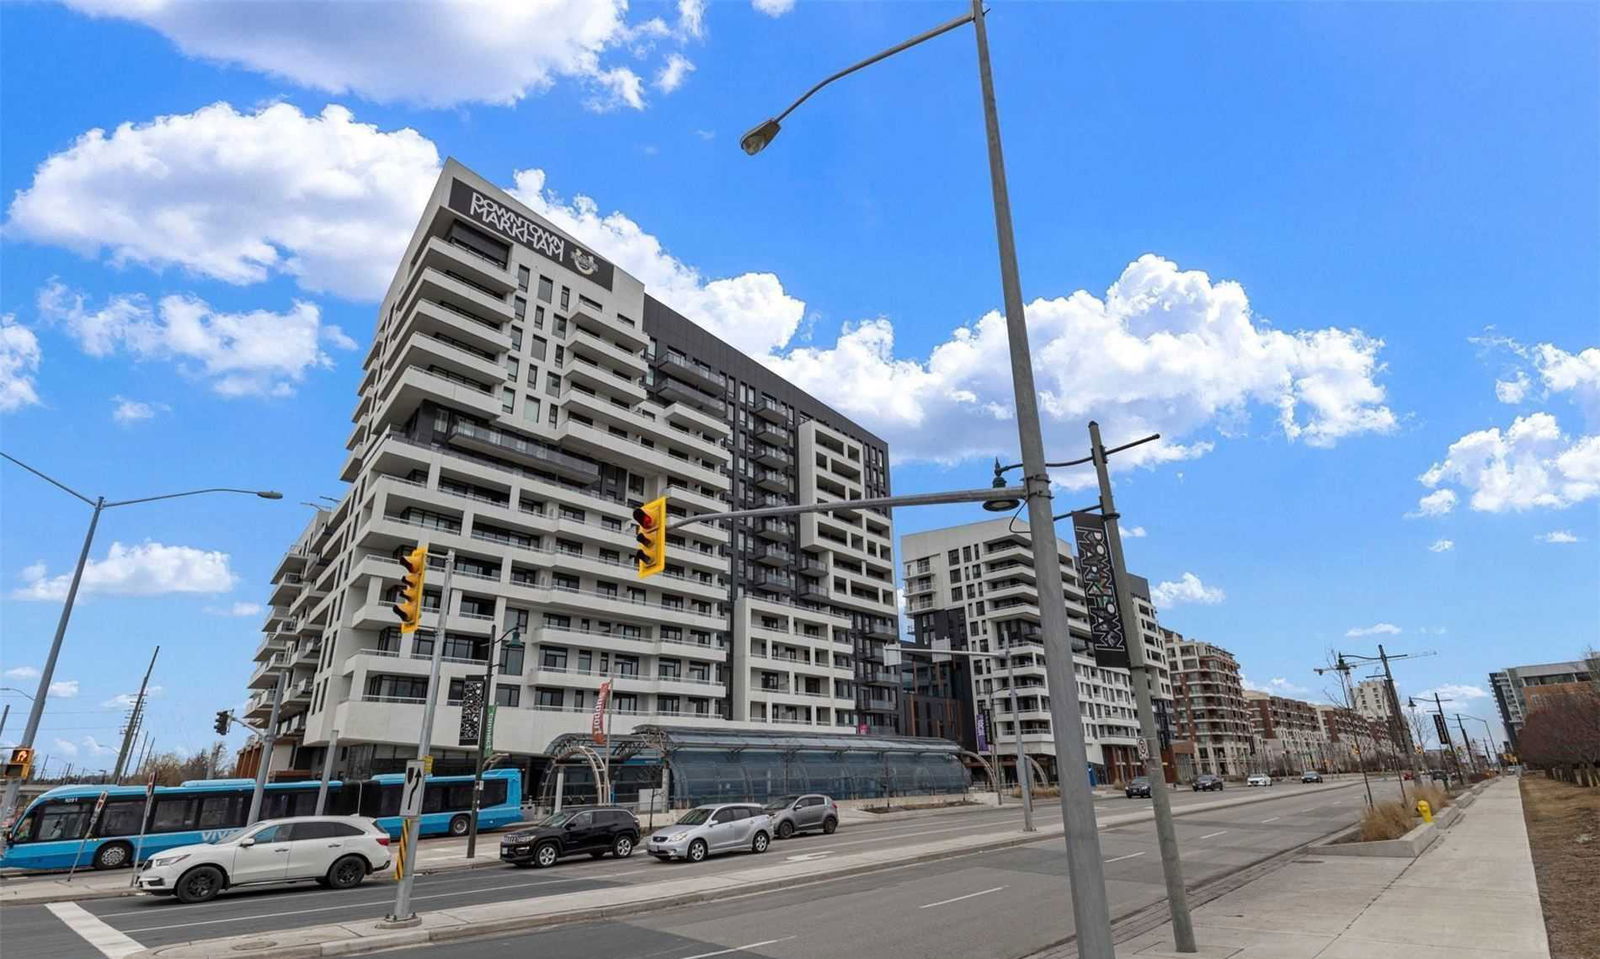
x,y
1143,676
402,913
1342,667
1466,742
269,740
135,720
327,771
1444,730
5,712
514,640
1397,721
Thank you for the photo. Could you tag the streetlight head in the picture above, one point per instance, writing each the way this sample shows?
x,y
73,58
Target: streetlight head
x,y
269,494
757,139
1002,505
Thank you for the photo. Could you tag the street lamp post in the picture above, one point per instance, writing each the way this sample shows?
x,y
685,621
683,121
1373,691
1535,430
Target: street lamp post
x,y
1085,870
513,641
36,713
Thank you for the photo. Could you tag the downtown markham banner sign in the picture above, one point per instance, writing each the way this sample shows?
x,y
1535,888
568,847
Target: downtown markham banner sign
x,y
1099,590
519,229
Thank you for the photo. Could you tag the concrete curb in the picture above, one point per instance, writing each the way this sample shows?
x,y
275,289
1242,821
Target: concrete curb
x,y
346,940
1413,843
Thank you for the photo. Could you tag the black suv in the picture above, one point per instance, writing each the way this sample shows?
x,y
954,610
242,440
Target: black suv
x,y
568,833
1138,787
1206,782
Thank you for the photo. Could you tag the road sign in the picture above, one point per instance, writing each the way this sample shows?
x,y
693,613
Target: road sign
x,y
411,792
1144,748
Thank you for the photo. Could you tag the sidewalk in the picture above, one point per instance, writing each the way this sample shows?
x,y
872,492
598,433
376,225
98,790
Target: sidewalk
x,y
1472,895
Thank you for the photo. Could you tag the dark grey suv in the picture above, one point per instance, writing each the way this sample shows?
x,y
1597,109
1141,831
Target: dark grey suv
x,y
792,814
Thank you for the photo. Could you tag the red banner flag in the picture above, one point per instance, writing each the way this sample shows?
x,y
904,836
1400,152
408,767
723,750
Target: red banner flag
x,y
597,724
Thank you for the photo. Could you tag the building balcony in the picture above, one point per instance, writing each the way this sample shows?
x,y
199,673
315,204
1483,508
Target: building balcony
x,y
510,446
669,390
775,555
474,267
603,379
582,342
812,566
772,456
695,374
773,433
774,481
775,579
774,529
770,410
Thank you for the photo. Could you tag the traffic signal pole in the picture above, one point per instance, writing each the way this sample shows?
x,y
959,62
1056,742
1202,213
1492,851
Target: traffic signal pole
x,y
402,913
269,740
1143,677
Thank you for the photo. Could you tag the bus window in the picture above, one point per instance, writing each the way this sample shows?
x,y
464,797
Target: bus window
x,y
223,811
433,797
121,817
459,796
52,822
343,800
379,801
173,814
494,792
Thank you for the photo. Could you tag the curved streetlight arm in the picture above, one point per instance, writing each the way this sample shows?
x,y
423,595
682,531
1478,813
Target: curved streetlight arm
x,y
48,479
919,38
263,493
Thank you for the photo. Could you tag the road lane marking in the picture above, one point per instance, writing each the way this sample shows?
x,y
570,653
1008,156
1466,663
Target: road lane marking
x,y
110,942
970,895
1213,835
1130,855
724,952
810,856
1273,819
353,905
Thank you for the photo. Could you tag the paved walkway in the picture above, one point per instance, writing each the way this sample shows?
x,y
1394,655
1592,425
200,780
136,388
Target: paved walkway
x,y
1472,895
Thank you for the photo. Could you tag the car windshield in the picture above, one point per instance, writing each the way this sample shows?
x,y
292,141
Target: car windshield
x,y
1141,781
559,819
783,803
695,817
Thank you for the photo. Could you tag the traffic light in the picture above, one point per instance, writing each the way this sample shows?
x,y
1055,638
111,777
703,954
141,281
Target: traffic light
x,y
409,609
221,725
19,765
650,522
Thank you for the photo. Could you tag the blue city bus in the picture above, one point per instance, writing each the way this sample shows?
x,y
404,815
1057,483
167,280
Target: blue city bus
x,y
50,833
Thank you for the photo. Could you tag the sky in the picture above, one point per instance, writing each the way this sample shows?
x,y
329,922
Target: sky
x,y
1341,256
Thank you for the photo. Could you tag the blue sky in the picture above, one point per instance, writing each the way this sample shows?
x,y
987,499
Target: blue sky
x,y
1365,319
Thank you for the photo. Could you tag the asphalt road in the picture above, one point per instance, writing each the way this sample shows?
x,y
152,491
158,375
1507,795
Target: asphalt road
x,y
1212,841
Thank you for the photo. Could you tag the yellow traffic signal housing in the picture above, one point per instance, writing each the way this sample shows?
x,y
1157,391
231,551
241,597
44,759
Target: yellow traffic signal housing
x,y
19,765
650,522
409,608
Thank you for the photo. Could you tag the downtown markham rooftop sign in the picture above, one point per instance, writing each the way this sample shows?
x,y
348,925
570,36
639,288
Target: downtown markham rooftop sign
x,y
514,226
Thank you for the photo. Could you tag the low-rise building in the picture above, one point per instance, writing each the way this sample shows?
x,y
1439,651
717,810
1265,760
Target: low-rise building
x,y
1291,735
1212,727
1517,688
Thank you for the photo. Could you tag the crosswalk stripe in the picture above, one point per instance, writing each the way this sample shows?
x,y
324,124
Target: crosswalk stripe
x,y
111,943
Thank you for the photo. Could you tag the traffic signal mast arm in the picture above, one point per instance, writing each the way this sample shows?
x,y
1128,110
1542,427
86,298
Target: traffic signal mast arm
x,y
915,499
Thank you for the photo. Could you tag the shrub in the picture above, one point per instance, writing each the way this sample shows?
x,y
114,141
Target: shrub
x,y
1385,820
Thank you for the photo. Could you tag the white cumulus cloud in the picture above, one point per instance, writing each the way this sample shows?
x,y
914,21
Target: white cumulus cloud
x,y
1165,350
1456,691
147,569
1134,532
751,310
1532,464
239,197
1558,536
237,609
96,748
1436,503
1186,589
674,73
64,688
438,53
1277,686
19,362
239,354
773,8
124,700
65,747
129,411
1442,546
1376,629
22,672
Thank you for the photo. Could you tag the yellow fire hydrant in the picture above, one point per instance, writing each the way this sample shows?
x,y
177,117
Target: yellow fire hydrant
x,y
1424,810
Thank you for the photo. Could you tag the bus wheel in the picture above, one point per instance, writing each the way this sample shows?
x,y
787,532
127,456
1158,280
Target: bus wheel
x,y
113,855
458,826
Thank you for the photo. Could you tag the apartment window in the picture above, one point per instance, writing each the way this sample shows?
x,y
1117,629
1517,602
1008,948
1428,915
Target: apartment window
x,y
553,659
508,696
519,308
561,323
561,354
530,409
953,557
626,703
667,705
533,377
552,698
546,288
566,297
522,277
508,400
537,350
589,304
513,368
538,317
553,414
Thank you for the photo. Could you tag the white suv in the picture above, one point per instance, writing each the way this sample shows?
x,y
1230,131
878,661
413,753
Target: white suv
x,y
336,851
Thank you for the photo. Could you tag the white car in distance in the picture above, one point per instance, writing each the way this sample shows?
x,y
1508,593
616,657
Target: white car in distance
x,y
1259,779
336,851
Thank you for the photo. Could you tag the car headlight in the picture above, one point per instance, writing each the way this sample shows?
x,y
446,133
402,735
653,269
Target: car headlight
x,y
678,837
164,861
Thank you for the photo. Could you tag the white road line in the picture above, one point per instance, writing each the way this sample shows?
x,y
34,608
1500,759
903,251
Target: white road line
x,y
1131,855
352,905
1273,819
110,942
970,895
1212,835
724,952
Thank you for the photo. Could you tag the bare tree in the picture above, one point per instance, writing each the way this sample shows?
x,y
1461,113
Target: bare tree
x,y
1562,735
